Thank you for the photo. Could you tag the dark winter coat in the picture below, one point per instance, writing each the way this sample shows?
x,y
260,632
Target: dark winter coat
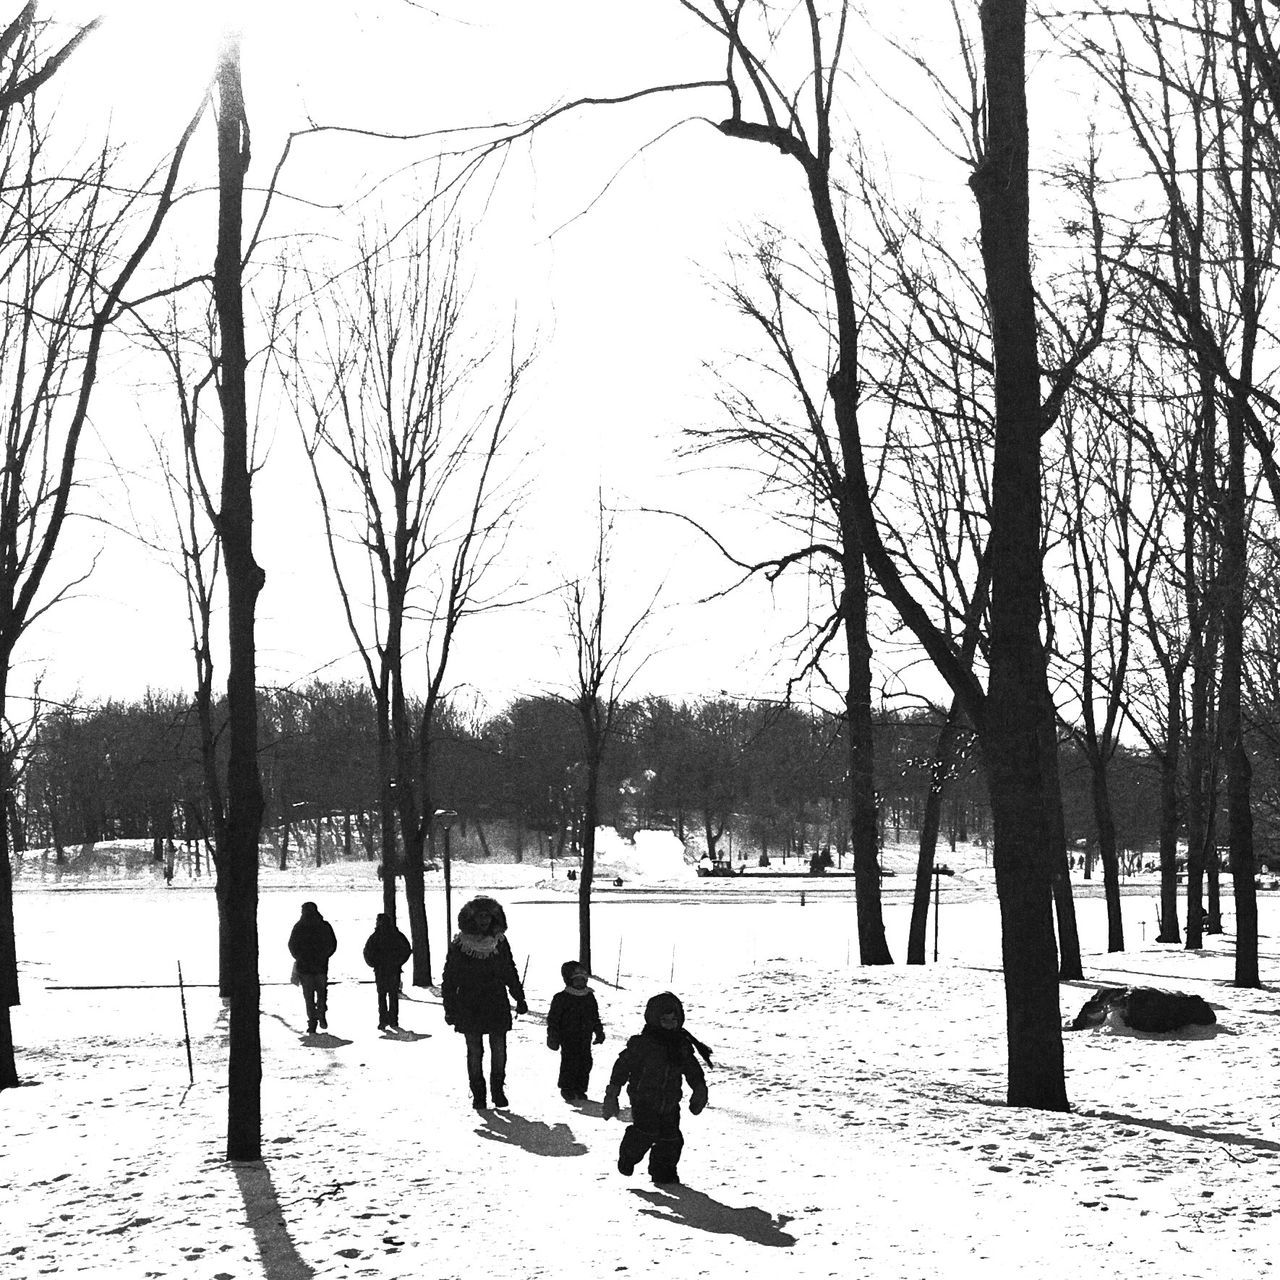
x,y
655,1064
312,941
574,1017
387,949
479,971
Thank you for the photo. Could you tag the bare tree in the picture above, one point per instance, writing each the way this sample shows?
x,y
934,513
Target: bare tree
x,y
405,439
605,667
67,262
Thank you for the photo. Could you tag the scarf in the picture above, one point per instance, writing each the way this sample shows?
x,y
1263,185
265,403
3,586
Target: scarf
x,y
674,1042
482,946
575,991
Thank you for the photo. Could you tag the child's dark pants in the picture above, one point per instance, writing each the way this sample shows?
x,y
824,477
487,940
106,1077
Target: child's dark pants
x,y
388,984
575,1065
658,1133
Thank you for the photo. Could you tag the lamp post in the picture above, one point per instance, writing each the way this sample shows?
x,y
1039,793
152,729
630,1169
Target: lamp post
x,y
446,818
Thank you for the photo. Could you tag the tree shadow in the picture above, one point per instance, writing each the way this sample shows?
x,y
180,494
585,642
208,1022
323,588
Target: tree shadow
x,y
696,1209
1185,1130
279,1256
541,1139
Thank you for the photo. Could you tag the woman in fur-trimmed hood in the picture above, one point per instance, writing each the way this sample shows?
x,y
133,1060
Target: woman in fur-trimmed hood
x,y
479,971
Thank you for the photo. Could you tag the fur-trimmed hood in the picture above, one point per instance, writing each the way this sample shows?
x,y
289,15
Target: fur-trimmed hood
x,y
497,917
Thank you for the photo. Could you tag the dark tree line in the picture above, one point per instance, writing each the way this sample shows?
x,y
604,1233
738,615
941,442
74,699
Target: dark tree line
x,y
723,775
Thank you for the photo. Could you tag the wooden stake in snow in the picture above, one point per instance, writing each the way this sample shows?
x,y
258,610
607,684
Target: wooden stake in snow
x,y
186,1031
672,978
617,977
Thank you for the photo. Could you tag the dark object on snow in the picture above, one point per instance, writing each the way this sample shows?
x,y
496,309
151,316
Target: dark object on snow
x,y
1145,1009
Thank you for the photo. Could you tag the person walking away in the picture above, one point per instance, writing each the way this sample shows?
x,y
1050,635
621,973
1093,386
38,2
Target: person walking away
x,y
479,971
573,1021
385,953
311,943
653,1066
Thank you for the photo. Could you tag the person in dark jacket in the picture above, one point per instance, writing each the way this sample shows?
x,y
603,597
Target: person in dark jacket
x,y
311,943
572,1021
385,953
652,1066
479,970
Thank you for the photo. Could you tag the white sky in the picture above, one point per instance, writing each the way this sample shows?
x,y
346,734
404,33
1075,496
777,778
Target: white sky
x,y
620,300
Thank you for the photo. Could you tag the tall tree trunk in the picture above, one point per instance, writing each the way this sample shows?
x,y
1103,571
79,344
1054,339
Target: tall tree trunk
x,y
1013,745
9,992
1200,765
238,866
873,947
1105,821
1169,930
930,823
590,815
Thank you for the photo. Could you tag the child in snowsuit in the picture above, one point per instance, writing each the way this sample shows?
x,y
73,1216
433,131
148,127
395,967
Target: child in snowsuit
x,y
572,1021
652,1067
385,953
311,943
479,970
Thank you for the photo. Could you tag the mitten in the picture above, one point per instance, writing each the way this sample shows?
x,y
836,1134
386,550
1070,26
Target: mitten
x,y
521,1007
609,1107
552,1043
599,1037
448,1019
697,1100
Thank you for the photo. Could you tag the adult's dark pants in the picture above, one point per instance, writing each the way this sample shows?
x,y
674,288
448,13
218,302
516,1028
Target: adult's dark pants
x,y
497,1063
655,1132
315,992
388,985
575,1065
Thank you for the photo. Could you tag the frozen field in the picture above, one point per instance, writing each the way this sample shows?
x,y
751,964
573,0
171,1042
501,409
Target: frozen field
x,y
855,1129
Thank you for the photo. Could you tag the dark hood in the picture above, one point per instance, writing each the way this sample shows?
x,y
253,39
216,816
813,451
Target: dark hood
x,y
664,1002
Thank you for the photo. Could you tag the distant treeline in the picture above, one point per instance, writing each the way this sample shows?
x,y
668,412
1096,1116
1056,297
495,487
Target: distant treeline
x,y
769,777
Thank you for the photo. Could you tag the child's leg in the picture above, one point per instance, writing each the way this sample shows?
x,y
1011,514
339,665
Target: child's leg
x,y
638,1138
667,1146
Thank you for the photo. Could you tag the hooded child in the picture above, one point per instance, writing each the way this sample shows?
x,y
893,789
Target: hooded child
x,y
654,1066
572,1022
479,971
385,953
311,943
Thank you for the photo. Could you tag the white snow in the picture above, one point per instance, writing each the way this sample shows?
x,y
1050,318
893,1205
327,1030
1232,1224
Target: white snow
x,y
856,1125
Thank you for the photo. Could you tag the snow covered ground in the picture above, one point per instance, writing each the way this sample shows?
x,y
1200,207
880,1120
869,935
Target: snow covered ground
x,y
856,1125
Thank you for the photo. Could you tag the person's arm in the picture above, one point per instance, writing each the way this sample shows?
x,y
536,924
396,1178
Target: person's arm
x,y
331,942
617,1078
514,985
555,1019
449,986
597,1025
697,1081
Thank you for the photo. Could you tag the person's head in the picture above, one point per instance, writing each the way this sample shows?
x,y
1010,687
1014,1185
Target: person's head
x,y
482,916
310,909
383,921
574,974
665,1012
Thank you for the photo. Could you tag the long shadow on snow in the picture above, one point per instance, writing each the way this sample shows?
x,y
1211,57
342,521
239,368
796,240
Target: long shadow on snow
x,y
696,1209
531,1135
280,1260
1186,1130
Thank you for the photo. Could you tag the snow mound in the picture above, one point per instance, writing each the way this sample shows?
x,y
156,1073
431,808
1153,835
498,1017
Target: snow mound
x,y
650,857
